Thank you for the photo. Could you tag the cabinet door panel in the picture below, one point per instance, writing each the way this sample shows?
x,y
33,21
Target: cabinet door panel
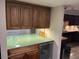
x,y
44,18
26,17
41,17
13,16
36,17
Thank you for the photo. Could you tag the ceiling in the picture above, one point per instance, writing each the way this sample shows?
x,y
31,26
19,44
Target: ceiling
x,y
52,3
72,5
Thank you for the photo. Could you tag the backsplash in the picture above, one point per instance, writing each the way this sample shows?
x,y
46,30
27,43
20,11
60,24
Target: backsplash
x,y
44,32
18,32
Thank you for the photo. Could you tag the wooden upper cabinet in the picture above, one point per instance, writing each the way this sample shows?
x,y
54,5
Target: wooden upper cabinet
x,y
13,16
41,17
26,17
44,18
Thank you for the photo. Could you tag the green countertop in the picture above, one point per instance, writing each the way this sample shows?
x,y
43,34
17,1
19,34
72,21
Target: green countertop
x,y
14,41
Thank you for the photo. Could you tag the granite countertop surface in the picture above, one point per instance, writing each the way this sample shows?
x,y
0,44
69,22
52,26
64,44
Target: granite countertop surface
x,y
15,41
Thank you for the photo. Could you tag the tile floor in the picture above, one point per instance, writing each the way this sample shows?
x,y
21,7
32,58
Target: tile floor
x,y
74,53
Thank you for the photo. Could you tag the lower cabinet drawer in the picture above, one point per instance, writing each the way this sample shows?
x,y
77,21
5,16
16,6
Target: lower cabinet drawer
x,y
17,56
23,49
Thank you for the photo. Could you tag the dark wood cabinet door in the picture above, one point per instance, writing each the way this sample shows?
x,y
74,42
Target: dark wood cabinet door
x,y
36,17
41,17
26,17
33,55
44,19
13,16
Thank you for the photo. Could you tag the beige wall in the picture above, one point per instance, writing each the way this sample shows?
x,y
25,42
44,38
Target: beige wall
x,y
3,30
56,27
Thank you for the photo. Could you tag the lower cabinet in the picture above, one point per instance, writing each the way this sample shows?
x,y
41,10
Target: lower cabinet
x,y
31,52
40,51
